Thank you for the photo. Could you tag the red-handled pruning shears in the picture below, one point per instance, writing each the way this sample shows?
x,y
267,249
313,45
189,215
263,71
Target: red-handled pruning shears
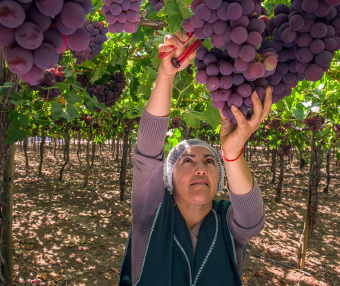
x,y
177,62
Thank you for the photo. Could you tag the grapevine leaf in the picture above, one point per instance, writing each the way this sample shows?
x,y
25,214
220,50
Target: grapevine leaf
x,y
72,98
98,73
14,134
174,16
56,111
193,118
212,115
88,64
147,80
138,36
70,113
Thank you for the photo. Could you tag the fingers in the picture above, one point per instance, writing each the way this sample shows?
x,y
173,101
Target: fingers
x,y
268,101
163,48
258,109
240,118
178,40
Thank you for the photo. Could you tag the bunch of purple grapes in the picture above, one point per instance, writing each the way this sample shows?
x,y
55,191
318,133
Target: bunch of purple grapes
x,y
230,86
51,76
83,80
157,4
121,15
97,33
305,40
235,27
278,126
34,32
315,122
175,122
111,92
286,148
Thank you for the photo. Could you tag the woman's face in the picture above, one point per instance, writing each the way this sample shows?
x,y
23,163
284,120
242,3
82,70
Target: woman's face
x,y
195,177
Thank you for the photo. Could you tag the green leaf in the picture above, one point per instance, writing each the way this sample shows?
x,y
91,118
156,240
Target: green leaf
x,y
88,64
14,134
174,16
72,98
70,113
147,80
138,36
212,115
193,118
98,73
56,111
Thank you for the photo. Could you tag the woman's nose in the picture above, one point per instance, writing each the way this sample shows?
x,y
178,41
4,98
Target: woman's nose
x,y
200,169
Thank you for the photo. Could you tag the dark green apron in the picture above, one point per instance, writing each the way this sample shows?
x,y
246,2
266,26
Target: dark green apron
x,y
169,257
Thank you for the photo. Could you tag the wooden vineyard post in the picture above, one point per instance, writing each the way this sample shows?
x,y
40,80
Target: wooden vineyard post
x,y
87,172
325,190
79,150
273,167
67,152
312,201
27,166
7,214
123,165
42,144
279,185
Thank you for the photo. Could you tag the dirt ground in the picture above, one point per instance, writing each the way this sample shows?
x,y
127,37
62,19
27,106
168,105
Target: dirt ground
x,y
64,234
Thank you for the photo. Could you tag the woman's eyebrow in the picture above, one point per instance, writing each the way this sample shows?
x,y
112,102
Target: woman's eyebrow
x,y
193,156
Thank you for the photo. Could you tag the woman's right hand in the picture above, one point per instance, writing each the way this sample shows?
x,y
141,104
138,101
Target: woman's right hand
x,y
178,40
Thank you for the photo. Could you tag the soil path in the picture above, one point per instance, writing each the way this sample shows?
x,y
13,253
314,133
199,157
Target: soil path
x,y
67,235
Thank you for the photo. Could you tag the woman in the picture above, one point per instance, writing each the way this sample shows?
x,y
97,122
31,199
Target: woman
x,y
187,238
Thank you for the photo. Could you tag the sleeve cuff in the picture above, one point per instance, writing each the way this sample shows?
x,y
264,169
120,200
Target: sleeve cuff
x,y
247,202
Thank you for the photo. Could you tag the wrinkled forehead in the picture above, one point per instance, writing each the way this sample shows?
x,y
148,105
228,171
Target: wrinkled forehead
x,y
197,150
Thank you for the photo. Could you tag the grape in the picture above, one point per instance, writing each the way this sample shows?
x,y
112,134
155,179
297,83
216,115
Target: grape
x,y
202,12
29,36
46,56
33,76
78,40
234,11
187,26
53,37
281,19
317,46
283,55
214,4
314,72
239,35
213,83
19,60
248,102
254,39
247,53
49,7
304,40
281,9
256,25
235,99
215,95
318,30
274,79
62,28
196,23
209,59
218,104
289,77
332,13
244,90
35,16
288,35
202,76
243,21
282,68
7,36
330,44
222,11
208,29
12,15
241,65
247,6
213,17
257,70
201,53
226,82
212,70
224,94
238,79
324,58
261,92
310,5
323,9
219,26
333,2
226,112
72,15
270,63
307,26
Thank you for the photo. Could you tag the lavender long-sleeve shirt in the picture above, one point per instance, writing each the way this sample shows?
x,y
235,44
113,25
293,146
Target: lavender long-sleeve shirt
x,y
245,220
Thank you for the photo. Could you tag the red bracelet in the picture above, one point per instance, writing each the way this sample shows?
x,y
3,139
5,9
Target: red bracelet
x,y
225,158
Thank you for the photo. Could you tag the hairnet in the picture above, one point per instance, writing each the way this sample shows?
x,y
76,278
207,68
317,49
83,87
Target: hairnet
x,y
177,152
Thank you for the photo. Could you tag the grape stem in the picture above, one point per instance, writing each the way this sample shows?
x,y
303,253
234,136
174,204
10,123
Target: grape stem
x,y
180,92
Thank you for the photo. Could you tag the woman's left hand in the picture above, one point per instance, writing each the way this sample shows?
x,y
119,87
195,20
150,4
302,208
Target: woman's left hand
x,y
234,136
